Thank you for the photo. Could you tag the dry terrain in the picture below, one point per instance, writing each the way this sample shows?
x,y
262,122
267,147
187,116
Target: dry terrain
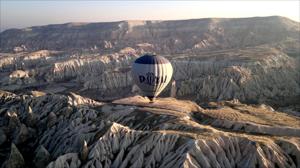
x,y
72,131
67,98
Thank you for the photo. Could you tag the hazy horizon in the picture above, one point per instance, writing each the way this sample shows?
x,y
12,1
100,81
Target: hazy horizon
x,y
22,14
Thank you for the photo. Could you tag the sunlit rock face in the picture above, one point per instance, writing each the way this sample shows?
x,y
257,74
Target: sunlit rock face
x,y
64,105
92,69
253,75
164,36
74,131
59,72
255,60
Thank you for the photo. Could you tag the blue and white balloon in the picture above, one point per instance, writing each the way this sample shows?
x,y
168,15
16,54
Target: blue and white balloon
x,y
152,74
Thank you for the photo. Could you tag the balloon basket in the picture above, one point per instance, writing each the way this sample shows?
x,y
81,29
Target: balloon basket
x,y
151,99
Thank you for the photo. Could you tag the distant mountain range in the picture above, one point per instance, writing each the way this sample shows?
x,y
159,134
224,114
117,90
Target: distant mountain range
x,y
177,36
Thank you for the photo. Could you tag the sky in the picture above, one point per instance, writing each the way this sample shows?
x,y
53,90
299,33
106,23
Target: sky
x,y
26,13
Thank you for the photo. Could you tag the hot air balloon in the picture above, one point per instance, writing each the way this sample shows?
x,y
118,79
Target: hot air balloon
x,y
151,73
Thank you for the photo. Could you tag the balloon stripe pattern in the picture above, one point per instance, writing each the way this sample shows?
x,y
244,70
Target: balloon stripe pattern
x,y
152,74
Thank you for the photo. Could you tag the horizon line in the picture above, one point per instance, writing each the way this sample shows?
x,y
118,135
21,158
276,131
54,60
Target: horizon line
x,y
114,21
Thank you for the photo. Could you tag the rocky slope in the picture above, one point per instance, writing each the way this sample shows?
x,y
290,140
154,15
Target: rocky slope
x,y
159,36
48,130
65,104
261,74
255,60
263,70
254,75
57,72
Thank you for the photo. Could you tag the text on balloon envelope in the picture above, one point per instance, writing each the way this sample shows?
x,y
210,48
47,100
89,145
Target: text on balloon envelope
x,y
152,79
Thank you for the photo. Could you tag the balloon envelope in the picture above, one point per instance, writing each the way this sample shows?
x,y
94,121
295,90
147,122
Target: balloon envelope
x,y
152,74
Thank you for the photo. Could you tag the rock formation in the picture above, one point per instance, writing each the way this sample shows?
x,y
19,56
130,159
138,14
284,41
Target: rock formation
x,y
213,59
236,83
159,36
261,74
130,132
253,75
42,157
